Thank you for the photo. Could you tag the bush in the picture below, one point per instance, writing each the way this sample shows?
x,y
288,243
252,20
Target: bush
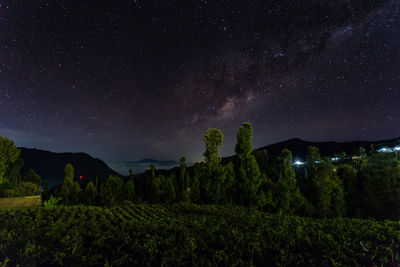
x,y
27,189
52,202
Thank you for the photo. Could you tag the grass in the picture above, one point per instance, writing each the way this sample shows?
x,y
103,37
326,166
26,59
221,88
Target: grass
x,y
20,202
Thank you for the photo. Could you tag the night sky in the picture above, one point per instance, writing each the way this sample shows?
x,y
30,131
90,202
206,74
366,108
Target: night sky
x,y
125,80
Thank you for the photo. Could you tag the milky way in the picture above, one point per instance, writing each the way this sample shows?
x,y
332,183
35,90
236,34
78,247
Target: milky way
x,y
133,79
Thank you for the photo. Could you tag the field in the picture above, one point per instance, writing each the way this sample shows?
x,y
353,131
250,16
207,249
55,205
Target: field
x,y
182,235
19,202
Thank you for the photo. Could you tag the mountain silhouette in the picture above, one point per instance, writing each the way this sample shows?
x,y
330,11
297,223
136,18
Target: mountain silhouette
x,y
50,165
299,147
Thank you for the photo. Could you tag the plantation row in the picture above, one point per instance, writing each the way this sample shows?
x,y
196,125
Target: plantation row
x,y
153,235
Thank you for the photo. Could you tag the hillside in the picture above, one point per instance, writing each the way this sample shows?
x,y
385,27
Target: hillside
x,y
299,147
50,165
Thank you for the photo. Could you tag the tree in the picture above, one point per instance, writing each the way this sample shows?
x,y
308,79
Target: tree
x,y
214,172
218,174
262,159
110,190
13,172
7,189
9,154
129,187
313,158
288,196
351,188
243,146
154,185
45,192
184,181
213,139
205,183
168,188
76,192
361,151
253,175
380,186
131,176
195,188
68,188
248,171
90,193
33,177
327,191
27,189
228,189
129,190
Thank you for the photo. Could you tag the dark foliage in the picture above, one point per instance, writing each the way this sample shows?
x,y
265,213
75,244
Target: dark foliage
x,y
182,235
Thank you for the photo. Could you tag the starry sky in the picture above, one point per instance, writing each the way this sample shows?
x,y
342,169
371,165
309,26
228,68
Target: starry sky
x,y
131,79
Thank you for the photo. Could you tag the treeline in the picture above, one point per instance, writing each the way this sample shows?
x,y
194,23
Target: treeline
x,y
320,188
252,178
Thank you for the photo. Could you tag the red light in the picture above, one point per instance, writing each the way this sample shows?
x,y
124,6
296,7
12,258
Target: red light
x,y
80,177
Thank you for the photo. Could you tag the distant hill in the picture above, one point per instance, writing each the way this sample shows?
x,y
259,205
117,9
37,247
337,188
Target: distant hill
x,y
50,165
140,166
154,161
299,147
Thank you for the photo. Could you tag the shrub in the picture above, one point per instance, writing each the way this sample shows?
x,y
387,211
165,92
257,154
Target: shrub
x,y
52,202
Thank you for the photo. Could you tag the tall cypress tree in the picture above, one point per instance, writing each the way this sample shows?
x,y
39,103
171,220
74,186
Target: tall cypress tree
x,y
215,172
248,171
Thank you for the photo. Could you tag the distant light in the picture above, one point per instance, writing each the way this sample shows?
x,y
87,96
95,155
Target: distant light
x,y
335,159
397,148
384,149
81,177
298,163
317,161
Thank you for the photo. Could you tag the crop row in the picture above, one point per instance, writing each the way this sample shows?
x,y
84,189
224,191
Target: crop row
x,y
196,235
